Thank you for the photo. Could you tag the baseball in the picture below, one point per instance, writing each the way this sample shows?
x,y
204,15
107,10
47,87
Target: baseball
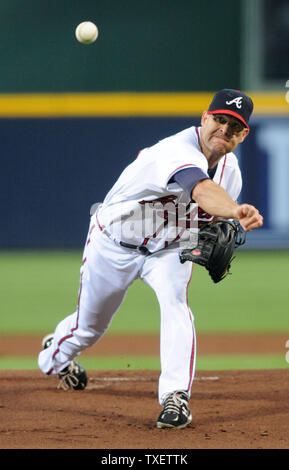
x,y
86,32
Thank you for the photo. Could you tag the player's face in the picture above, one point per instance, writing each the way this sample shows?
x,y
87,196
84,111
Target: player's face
x,y
222,133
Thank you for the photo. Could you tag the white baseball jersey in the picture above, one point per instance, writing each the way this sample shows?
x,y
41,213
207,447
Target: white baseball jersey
x,y
108,268
126,213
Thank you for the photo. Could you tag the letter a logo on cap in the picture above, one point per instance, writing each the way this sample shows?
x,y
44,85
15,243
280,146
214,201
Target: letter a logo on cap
x,y
237,101
233,102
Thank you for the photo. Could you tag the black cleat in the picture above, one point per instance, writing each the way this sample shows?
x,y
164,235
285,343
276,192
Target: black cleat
x,y
73,376
176,413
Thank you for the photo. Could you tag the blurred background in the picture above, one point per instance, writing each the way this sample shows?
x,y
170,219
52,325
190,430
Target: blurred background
x,y
72,116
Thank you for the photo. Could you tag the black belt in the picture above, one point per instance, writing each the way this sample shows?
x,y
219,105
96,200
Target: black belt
x,y
142,249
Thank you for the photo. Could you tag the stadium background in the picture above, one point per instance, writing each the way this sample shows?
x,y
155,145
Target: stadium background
x,y
73,116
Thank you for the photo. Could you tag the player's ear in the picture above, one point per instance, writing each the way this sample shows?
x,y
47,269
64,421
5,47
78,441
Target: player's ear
x,y
245,133
204,117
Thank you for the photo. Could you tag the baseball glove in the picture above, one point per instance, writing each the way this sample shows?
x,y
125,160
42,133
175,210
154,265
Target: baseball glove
x,y
216,244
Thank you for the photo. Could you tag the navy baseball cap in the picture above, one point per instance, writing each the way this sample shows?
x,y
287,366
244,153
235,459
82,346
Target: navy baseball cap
x,y
232,102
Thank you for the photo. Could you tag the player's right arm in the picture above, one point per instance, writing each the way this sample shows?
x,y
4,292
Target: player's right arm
x,y
215,200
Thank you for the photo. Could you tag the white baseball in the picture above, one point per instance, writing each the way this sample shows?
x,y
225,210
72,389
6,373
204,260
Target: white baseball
x,y
86,32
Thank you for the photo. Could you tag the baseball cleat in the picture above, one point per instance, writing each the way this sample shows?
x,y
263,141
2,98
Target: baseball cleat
x,y
176,413
72,376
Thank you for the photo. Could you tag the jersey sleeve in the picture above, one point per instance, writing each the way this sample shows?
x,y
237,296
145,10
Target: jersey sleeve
x,y
188,178
174,159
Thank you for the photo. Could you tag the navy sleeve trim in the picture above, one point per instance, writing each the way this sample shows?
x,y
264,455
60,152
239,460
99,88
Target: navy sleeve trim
x,y
188,178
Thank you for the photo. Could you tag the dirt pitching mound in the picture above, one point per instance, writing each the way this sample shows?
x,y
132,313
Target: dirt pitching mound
x,y
118,410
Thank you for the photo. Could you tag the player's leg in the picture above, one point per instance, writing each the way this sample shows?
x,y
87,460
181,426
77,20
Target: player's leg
x,y
169,279
106,272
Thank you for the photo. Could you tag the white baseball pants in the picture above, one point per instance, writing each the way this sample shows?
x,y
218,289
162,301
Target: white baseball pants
x,y
106,273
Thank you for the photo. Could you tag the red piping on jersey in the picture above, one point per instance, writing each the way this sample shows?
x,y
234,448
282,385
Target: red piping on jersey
x,y
189,284
179,167
101,227
78,302
221,177
192,359
72,329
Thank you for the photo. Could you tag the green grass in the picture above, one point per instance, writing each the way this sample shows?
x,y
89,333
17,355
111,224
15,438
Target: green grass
x,y
90,363
215,362
245,361
38,289
253,299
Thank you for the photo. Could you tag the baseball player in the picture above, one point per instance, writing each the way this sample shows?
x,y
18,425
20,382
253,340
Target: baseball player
x,y
194,166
